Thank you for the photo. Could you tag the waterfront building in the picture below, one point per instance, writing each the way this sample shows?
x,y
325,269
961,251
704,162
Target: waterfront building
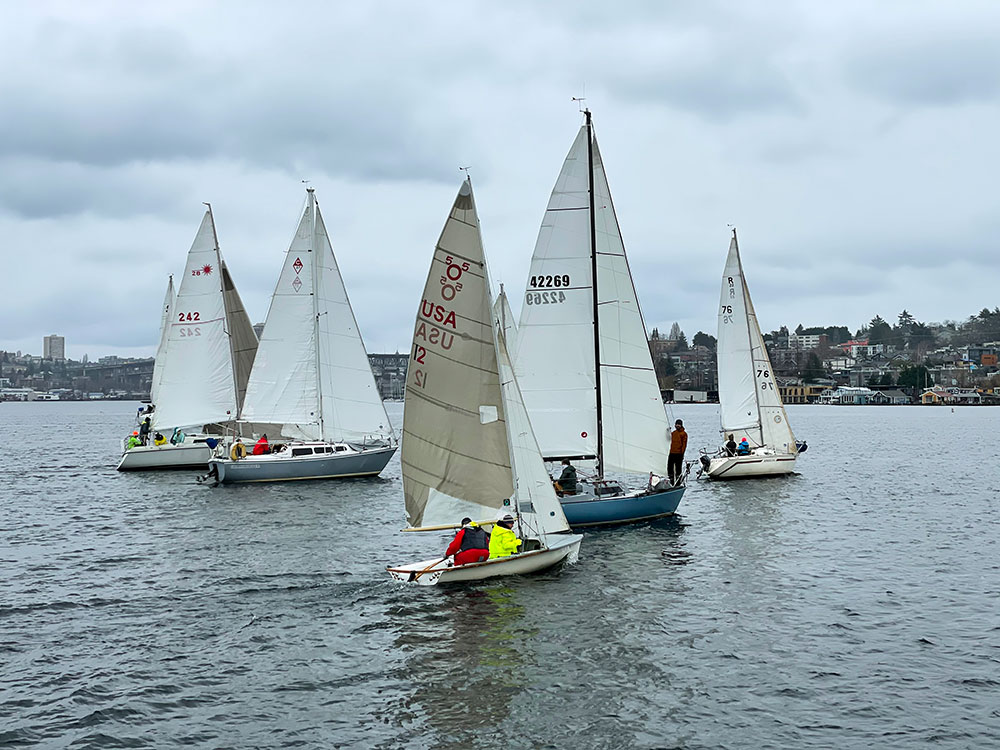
x,y
54,347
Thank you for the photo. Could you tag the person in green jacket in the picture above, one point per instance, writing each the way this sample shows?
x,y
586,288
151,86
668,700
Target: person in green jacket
x,y
503,540
133,441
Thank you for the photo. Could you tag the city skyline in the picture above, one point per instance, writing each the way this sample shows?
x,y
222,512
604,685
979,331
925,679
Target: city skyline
x,y
851,144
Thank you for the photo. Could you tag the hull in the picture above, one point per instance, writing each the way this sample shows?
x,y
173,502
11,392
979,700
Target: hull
x,y
285,468
587,510
186,456
562,548
743,467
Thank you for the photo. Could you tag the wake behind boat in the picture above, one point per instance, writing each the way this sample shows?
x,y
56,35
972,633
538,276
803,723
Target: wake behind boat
x,y
749,403
468,446
207,346
582,355
311,389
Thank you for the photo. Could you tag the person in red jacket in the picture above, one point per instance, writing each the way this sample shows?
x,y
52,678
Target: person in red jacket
x,y
261,447
471,544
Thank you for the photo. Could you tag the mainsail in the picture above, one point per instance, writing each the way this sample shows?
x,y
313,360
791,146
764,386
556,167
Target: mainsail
x,y
311,375
556,362
196,383
468,448
748,394
243,340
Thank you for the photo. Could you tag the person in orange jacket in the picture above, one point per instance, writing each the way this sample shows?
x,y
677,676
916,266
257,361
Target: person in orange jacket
x,y
678,444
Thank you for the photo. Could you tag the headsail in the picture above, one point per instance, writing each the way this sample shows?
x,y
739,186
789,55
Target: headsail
x,y
165,318
555,359
241,334
197,386
748,394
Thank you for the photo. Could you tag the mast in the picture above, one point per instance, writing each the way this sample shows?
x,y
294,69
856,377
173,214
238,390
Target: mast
x,y
226,325
593,274
315,295
746,316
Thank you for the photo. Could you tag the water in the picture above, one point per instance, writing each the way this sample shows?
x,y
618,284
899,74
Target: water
x,y
851,606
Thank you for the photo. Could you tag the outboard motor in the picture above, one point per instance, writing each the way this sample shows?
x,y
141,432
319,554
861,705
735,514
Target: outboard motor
x,y
705,462
801,446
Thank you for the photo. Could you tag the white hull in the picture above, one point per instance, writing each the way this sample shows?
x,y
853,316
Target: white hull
x,y
562,548
740,467
185,456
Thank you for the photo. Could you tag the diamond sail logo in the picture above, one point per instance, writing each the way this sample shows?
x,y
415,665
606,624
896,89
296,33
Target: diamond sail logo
x,y
297,265
297,284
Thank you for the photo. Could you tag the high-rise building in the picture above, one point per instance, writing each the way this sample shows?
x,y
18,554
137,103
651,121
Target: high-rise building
x,y
54,347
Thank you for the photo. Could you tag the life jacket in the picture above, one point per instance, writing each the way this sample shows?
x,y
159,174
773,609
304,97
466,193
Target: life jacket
x,y
475,537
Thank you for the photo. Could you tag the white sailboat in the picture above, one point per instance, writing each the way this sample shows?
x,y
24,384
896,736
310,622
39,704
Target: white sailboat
x,y
468,447
582,356
749,403
311,389
207,345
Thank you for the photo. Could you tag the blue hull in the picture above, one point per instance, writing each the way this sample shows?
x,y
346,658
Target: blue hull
x,y
584,510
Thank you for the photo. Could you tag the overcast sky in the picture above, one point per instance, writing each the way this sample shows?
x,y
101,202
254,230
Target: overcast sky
x,y
854,145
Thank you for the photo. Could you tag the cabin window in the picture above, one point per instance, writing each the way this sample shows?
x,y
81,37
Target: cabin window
x,y
302,451
341,448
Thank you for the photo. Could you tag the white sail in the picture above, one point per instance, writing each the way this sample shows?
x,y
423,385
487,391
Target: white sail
x,y
311,374
635,429
455,458
748,395
197,386
168,305
536,503
555,361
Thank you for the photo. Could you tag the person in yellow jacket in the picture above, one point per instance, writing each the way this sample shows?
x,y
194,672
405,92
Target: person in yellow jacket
x,y
158,439
503,540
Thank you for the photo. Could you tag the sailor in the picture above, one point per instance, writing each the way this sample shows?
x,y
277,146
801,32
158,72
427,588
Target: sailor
x,y
503,540
730,446
178,437
158,439
471,543
566,483
144,431
261,447
133,440
678,444
743,449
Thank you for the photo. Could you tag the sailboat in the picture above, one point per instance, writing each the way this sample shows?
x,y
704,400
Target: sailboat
x,y
207,345
468,447
311,389
749,403
582,356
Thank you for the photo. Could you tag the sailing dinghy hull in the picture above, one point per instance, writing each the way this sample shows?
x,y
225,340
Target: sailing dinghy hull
x,y
152,457
748,467
284,467
632,507
562,548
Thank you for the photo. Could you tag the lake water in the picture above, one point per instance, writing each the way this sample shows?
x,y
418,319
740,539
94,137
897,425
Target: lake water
x,y
853,605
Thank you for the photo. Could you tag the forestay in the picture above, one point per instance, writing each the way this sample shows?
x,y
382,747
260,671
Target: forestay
x,y
196,382
748,395
312,374
555,359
